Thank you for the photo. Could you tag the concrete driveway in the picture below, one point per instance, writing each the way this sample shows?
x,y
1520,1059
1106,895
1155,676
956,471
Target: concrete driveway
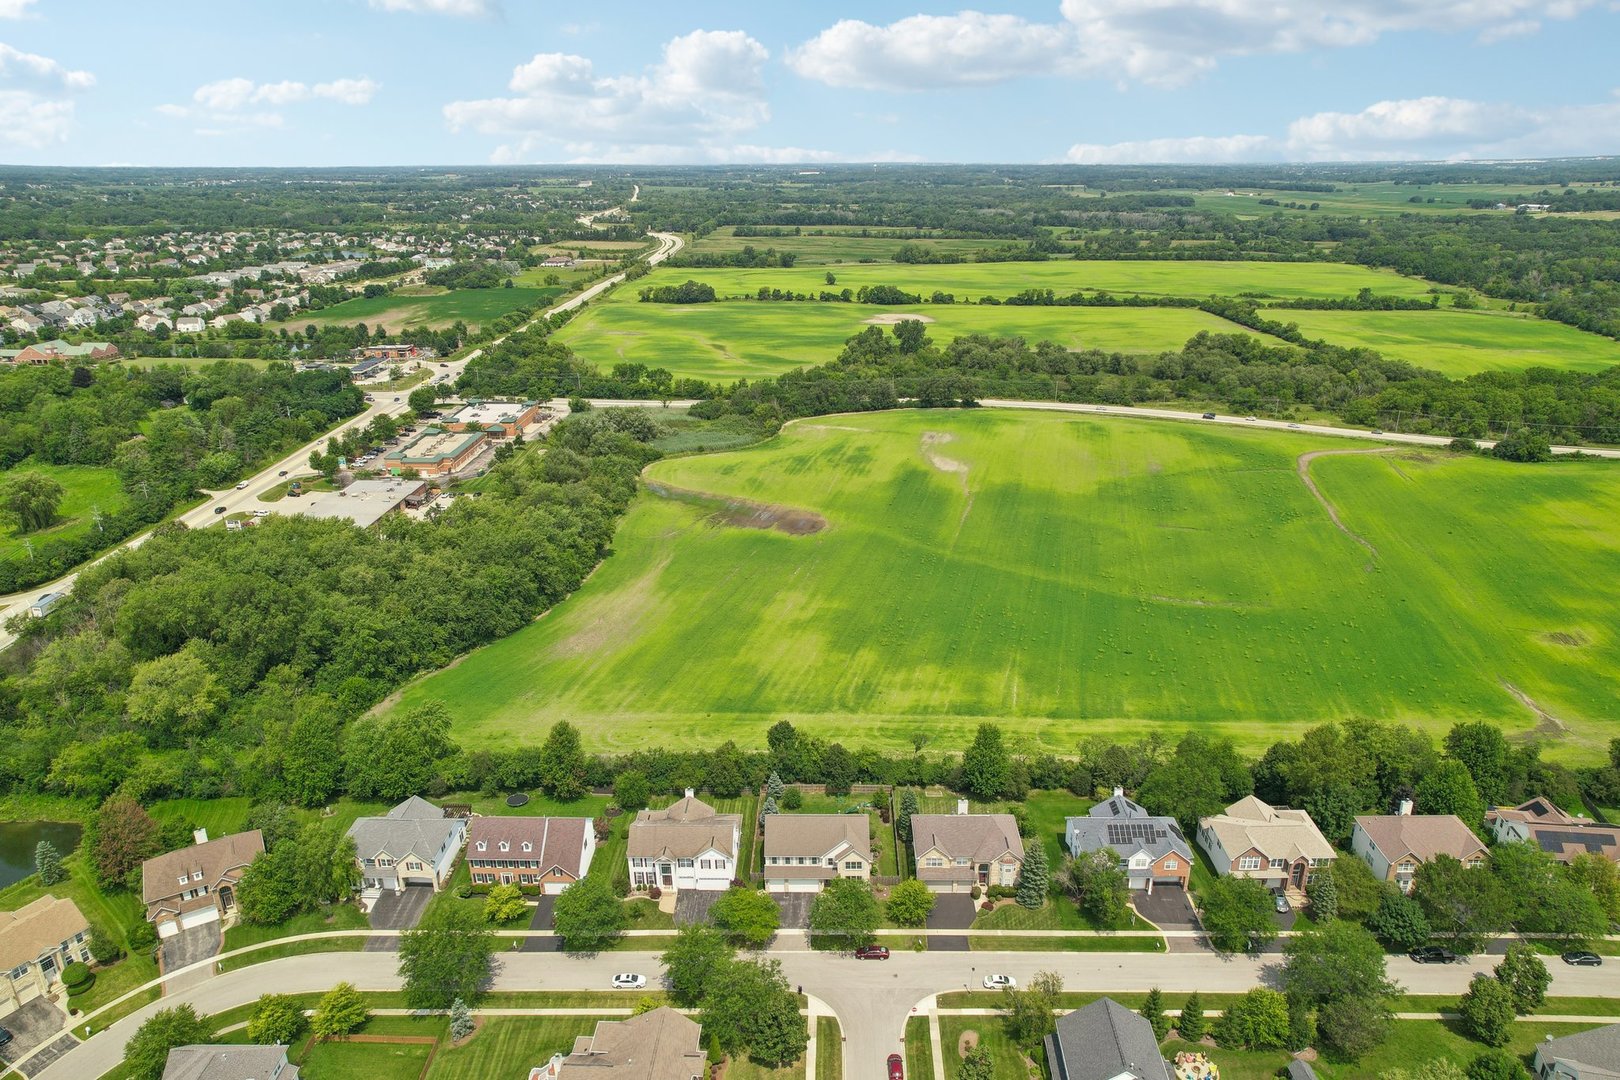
x,y
401,911
542,921
35,1024
692,906
190,946
952,911
795,909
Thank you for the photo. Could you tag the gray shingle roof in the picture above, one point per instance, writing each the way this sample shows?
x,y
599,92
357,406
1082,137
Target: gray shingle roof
x,y
229,1063
817,834
1597,1051
415,826
1126,827
1300,1070
1102,1041
658,1045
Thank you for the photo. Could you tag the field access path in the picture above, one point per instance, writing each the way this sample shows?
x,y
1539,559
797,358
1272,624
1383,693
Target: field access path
x,y
872,1000
247,498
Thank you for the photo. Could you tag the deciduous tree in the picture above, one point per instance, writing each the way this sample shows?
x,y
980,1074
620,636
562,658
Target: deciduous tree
x,y
277,1018
986,767
845,909
693,962
449,955
1526,977
587,916
29,500
1238,914
340,1011
748,917
910,903
1486,1010
147,1052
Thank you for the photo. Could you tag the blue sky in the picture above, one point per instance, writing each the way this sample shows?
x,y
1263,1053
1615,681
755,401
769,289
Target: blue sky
x,y
447,82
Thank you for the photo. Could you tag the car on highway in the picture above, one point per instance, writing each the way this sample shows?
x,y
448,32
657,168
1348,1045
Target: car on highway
x,y
1000,982
1209,416
872,952
897,1068
1377,431
1248,418
283,472
1434,954
219,509
1294,426
629,980
242,486
1583,959
1280,902
444,365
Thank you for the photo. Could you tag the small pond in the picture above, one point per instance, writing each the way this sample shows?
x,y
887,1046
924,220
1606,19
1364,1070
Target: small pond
x,y
18,840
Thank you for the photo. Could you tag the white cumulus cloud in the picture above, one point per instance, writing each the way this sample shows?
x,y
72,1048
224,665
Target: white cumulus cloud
x,y
226,95
40,72
1200,148
15,9
1162,42
706,91
36,95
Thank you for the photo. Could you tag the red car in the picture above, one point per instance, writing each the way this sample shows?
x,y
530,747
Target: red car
x,y
897,1071
872,952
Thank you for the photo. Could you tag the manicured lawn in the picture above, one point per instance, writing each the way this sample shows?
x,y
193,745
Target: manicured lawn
x,y
1008,1058
1083,575
1234,1064
293,948
365,1061
509,1046
86,491
829,1049
919,1049
220,817
743,1069
1066,944
332,917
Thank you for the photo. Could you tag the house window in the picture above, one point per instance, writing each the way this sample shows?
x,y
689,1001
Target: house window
x,y
1474,864
1249,862
413,865
685,864
934,861
385,862
505,846
527,846
854,864
196,875
1406,868
960,861
19,972
184,879
833,863
1172,864
1278,864
480,845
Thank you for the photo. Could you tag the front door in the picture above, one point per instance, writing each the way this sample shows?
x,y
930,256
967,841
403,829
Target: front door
x,y
506,879
227,898
666,874
1299,875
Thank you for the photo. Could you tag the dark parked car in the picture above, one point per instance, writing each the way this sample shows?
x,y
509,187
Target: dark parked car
x,y
897,1068
1209,416
1434,954
1583,959
219,509
872,952
5,1036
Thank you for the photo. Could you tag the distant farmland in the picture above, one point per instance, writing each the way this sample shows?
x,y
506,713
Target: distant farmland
x,y
1460,343
1071,575
747,339
427,307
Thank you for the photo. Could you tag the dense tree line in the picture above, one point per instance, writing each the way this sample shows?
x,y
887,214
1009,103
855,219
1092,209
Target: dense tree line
x,y
207,661
688,292
467,275
748,256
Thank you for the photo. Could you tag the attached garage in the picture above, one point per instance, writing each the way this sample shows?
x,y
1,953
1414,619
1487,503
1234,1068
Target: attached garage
x,y
555,888
793,885
169,927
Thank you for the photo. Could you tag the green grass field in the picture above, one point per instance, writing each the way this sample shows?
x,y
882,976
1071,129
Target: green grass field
x,y
1070,575
86,489
1460,343
970,281
509,1046
427,306
748,339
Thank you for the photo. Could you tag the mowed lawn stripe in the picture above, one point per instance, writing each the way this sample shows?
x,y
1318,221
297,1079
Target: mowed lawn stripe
x,y
1085,574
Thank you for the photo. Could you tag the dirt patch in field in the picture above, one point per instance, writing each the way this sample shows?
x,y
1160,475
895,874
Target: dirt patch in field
x,y
745,513
613,620
966,1042
1549,725
1332,512
1574,640
891,318
1185,602
930,440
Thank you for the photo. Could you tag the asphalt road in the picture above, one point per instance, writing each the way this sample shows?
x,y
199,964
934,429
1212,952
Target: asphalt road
x,y
246,498
872,999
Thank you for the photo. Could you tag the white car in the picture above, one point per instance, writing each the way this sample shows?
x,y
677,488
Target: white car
x,y
1000,982
242,486
261,513
629,980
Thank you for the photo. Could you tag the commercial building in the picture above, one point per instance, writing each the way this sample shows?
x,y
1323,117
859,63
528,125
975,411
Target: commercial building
x,y
197,884
499,419
437,452
37,941
552,853
686,845
364,502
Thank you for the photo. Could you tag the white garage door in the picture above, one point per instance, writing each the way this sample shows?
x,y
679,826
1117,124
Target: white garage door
x,y
803,886
201,917
554,888
168,928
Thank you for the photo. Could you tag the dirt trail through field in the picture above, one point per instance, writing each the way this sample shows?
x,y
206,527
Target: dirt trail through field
x,y
894,318
744,513
932,439
1550,725
1332,512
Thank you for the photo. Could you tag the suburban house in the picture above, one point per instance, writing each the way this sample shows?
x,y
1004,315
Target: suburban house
x,y
686,845
415,843
227,1062
1590,1055
1104,1041
957,851
1563,837
552,853
37,941
1395,845
1273,844
805,851
657,1045
1152,851
190,324
197,885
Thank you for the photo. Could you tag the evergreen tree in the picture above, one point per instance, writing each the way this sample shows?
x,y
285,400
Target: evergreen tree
x,y
1323,893
48,863
1153,1013
562,763
908,807
1192,1025
977,1064
461,1021
770,805
1033,880
986,767
774,786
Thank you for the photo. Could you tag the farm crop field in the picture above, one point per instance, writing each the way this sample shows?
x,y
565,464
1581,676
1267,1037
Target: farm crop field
x,y
830,247
1070,575
1459,343
723,342
429,307
86,489
970,281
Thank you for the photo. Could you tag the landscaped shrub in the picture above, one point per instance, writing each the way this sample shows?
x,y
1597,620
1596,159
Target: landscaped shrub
x,y
142,937
104,948
77,978
792,799
655,892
